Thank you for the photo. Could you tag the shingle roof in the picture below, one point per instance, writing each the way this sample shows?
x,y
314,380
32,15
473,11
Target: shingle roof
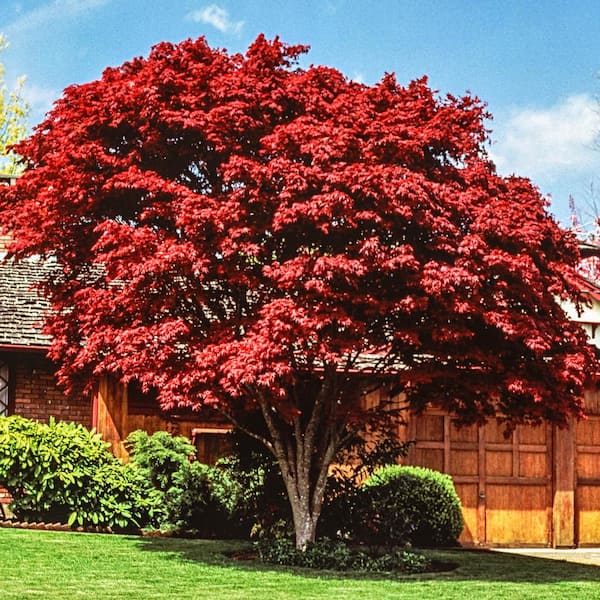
x,y
21,308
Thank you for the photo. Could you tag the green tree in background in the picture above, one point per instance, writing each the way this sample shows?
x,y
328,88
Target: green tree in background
x,y
13,118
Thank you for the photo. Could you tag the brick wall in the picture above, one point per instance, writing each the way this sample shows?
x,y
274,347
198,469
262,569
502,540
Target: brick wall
x,y
36,396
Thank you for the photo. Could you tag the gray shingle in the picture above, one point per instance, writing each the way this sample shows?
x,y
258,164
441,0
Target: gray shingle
x,y
21,308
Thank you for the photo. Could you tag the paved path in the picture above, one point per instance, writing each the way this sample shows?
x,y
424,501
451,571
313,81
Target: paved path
x,y
586,556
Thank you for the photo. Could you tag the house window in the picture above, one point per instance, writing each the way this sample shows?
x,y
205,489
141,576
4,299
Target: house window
x,y
211,443
4,388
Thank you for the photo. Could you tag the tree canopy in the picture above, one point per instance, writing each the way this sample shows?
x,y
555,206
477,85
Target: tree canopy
x,y
13,114
237,231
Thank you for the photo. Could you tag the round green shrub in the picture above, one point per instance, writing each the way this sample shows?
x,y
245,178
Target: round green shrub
x,y
403,504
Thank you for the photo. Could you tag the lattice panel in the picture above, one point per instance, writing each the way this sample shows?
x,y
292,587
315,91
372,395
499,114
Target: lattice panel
x,y
3,388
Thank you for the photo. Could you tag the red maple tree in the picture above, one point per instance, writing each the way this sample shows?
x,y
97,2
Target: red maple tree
x,y
234,230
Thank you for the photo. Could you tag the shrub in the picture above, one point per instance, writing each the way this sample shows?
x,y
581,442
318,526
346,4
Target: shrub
x,y
61,472
160,456
195,497
336,555
257,501
409,505
343,502
262,508
198,500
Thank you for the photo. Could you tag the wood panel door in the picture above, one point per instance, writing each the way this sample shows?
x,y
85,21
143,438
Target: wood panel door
x,y
587,487
505,484
517,485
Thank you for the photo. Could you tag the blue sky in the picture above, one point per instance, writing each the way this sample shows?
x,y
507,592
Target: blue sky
x,y
535,63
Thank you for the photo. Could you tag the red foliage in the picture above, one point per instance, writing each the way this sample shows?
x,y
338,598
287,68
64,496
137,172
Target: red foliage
x,y
228,225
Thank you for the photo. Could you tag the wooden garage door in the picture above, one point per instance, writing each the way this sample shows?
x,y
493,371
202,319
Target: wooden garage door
x,y
587,488
504,483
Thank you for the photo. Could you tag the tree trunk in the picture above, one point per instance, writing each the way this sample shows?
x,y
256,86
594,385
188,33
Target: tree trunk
x,y
306,498
305,447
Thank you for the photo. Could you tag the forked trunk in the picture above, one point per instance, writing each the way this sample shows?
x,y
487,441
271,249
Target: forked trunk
x,y
305,448
306,501
305,526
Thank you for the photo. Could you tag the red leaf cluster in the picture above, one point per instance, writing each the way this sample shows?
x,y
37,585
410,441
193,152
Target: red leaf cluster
x,y
229,225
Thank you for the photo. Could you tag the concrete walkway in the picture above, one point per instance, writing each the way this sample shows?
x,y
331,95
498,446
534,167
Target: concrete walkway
x,y
586,556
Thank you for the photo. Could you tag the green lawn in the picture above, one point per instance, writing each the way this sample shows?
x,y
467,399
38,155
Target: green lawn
x,y
44,564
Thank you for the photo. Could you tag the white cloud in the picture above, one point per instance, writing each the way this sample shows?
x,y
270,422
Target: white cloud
x,y
332,7
56,10
217,17
548,142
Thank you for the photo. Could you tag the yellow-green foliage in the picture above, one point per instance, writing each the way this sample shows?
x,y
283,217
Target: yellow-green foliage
x,y
61,472
13,118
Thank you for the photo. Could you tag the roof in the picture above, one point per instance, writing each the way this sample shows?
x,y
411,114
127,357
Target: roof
x,y
587,249
588,287
21,308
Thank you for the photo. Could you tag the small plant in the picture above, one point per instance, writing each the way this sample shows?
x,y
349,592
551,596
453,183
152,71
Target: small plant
x,y
337,556
160,455
403,504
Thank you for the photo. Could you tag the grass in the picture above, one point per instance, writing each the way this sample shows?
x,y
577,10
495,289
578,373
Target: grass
x,y
46,564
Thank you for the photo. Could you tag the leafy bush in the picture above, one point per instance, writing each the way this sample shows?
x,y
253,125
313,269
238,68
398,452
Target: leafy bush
x,y
245,490
194,496
198,500
61,472
160,456
409,505
336,555
262,508
343,502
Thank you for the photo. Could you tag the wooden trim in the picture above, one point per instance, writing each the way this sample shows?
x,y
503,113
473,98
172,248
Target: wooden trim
x,y
563,502
481,487
446,444
588,481
508,480
95,406
515,453
584,449
213,430
37,348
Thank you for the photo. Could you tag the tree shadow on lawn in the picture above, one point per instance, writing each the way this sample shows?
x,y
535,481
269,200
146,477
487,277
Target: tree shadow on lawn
x,y
471,565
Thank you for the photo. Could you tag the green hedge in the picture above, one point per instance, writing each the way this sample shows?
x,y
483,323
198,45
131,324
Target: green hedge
x,y
403,504
61,472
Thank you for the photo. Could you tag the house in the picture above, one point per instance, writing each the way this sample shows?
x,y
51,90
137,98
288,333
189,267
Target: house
x,y
28,383
540,486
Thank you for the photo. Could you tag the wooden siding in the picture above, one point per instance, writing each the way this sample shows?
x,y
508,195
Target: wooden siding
x,y
538,486
115,419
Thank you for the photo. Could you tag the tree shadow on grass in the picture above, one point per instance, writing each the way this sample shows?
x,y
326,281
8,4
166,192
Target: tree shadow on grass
x,y
471,565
